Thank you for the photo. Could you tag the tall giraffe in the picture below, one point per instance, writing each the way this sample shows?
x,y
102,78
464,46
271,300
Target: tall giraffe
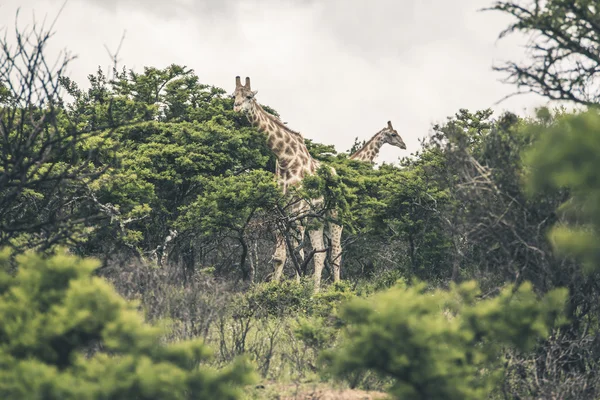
x,y
371,149
294,162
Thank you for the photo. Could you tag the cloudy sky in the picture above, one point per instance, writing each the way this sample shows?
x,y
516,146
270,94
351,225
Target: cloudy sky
x,y
334,69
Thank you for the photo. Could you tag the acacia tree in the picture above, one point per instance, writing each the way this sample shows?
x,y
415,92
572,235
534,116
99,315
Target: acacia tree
x,y
227,210
563,49
178,140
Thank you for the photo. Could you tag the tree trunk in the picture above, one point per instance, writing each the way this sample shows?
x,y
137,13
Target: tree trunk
x,y
248,272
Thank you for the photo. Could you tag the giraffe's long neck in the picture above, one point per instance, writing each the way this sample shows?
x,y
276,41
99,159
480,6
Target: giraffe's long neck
x,y
293,159
370,150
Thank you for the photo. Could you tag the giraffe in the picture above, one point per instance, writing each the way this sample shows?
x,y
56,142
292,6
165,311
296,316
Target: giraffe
x,y
370,150
294,162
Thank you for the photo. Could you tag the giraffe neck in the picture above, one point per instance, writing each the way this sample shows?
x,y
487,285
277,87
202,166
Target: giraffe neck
x,y
293,159
370,150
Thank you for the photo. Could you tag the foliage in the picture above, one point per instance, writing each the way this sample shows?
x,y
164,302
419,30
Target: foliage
x,y
413,213
68,335
153,172
566,156
178,139
44,199
442,344
228,207
289,298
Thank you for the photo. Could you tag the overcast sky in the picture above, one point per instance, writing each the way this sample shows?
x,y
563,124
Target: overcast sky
x,y
333,69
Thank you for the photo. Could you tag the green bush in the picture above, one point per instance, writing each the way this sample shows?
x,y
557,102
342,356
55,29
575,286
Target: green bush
x,y
67,335
289,298
441,344
277,299
566,157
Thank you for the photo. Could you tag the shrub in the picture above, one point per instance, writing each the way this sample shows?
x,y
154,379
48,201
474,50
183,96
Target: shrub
x,y
67,335
441,344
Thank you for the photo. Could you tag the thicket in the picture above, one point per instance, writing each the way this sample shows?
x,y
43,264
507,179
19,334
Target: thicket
x,y
470,269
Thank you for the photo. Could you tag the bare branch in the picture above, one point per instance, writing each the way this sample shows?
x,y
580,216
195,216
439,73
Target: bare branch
x,y
44,170
563,49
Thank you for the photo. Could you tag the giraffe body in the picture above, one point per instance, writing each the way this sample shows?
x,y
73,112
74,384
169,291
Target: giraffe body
x,y
294,163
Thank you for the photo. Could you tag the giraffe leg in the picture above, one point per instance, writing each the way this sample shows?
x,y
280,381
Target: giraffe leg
x,y
279,256
316,240
335,231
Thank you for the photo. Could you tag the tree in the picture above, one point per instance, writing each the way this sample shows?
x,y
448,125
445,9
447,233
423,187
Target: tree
x,y
566,157
67,335
441,344
44,166
563,49
414,214
177,138
228,207
560,171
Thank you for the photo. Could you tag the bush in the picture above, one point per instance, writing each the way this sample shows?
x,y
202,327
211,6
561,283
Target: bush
x,y
289,298
67,335
441,344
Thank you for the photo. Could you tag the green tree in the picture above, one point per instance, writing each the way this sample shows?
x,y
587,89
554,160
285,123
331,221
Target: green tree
x,y
562,164
414,215
228,207
67,335
566,157
176,138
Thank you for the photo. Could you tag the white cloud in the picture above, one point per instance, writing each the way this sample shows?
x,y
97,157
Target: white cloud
x,y
334,69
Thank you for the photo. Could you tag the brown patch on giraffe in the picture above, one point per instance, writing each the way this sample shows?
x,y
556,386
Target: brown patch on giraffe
x,y
295,164
278,146
289,151
293,145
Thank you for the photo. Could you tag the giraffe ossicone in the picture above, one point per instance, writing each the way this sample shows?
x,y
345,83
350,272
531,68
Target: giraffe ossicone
x,y
294,163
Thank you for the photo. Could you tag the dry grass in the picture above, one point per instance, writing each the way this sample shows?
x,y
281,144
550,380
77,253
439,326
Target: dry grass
x,y
312,391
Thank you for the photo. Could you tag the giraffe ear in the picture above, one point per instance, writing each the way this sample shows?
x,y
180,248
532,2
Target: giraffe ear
x,y
390,125
238,82
247,83
254,93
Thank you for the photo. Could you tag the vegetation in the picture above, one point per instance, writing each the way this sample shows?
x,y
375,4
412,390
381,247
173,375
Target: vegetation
x,y
138,221
445,344
68,335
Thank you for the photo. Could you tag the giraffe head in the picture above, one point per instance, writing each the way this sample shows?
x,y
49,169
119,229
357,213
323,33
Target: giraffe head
x,y
391,136
243,95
